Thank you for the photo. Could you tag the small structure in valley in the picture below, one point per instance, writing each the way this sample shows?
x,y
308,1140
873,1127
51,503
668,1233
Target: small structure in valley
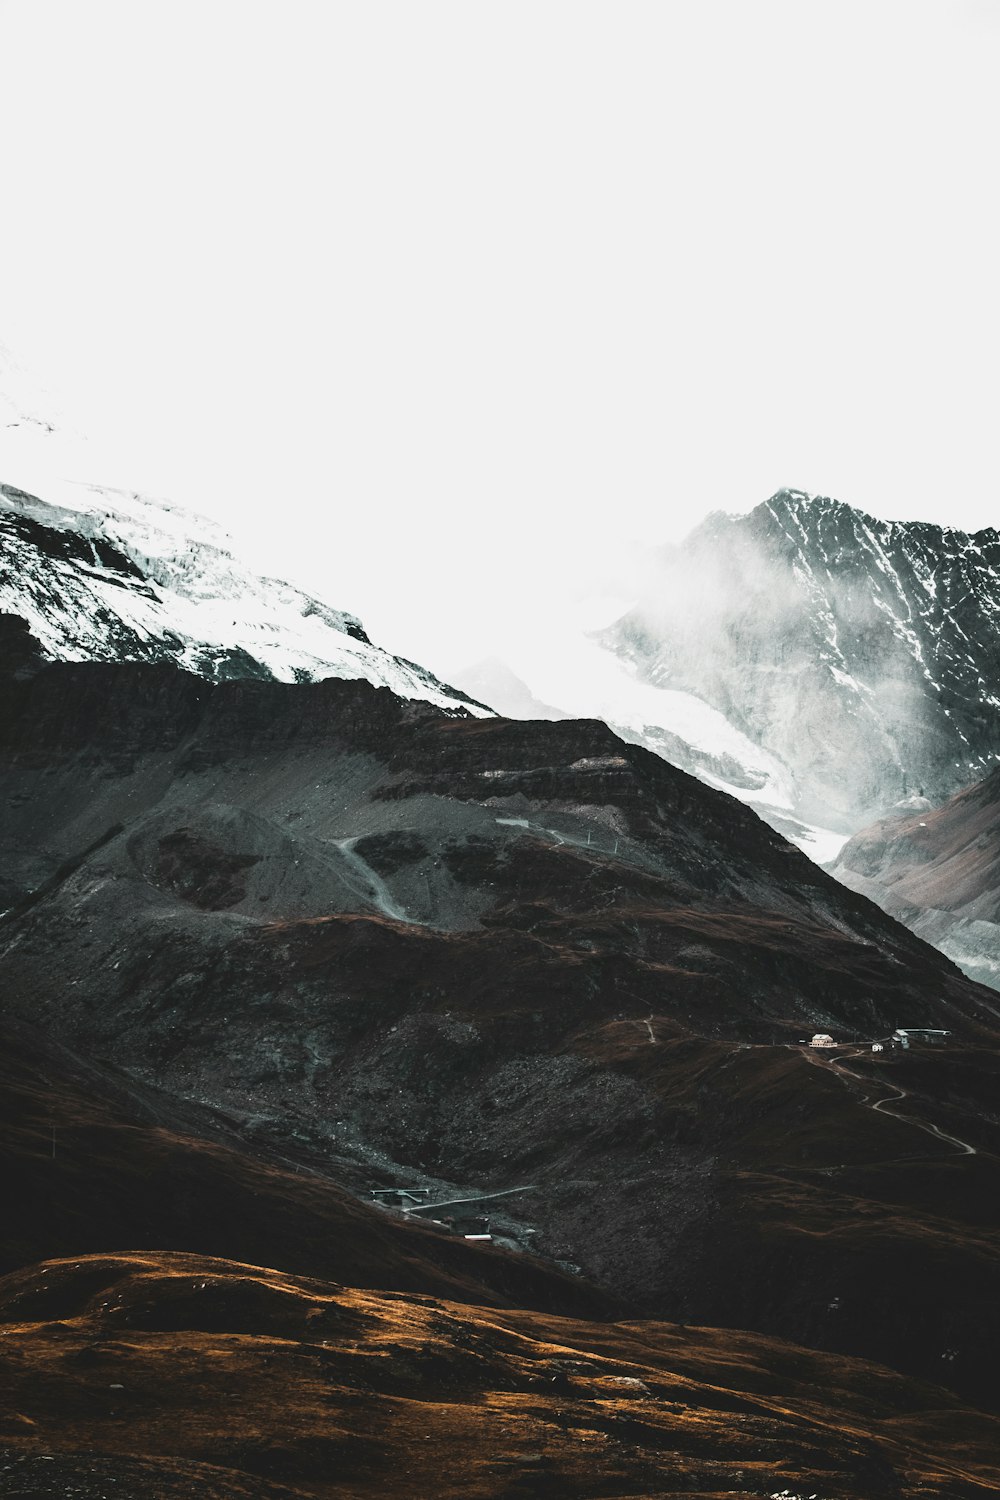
x,y
822,1039
909,1036
405,1198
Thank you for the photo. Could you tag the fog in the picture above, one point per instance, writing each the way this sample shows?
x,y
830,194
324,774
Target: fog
x,y
454,313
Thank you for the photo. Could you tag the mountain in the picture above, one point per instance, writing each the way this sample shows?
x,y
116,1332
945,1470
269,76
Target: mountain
x,y
938,870
475,956
286,922
110,576
862,655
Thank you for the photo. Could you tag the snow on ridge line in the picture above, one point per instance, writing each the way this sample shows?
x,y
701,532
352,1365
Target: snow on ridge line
x,y
196,603
173,546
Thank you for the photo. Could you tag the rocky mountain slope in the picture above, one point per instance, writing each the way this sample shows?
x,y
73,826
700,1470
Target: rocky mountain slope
x,y
97,1160
110,576
938,870
143,1353
402,947
863,655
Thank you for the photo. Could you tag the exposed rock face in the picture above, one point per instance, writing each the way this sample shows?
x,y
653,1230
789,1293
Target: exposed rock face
x,y
124,578
938,870
276,802
406,947
864,654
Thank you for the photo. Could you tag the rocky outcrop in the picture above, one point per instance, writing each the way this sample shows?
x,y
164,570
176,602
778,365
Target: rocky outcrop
x,y
20,654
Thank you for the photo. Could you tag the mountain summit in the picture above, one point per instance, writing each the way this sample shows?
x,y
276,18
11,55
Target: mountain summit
x,y
862,654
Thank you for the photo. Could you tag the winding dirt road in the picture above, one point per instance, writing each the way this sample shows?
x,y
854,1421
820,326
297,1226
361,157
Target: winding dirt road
x,y
836,1065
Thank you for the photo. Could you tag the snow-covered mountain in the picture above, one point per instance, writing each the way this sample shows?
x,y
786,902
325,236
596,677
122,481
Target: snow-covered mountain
x,y
105,575
813,662
864,655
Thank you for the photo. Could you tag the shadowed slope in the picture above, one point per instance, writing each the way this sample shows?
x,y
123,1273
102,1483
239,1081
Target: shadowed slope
x,y
91,1159
178,1360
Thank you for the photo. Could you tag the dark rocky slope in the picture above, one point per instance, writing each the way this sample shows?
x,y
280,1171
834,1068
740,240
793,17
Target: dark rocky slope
x,y
865,654
480,955
92,1159
174,1368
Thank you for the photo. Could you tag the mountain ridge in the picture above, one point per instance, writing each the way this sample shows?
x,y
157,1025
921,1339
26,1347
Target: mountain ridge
x,y
125,577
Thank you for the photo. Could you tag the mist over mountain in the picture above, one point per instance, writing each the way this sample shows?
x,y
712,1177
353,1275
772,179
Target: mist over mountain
x,y
814,662
863,654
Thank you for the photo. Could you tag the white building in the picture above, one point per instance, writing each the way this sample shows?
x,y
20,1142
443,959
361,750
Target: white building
x,y
822,1039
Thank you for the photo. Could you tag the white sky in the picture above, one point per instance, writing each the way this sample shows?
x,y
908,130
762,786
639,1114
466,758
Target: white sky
x,y
452,310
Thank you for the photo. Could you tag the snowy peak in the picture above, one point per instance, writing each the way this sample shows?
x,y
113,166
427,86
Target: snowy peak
x,y
865,654
841,531
933,589
105,575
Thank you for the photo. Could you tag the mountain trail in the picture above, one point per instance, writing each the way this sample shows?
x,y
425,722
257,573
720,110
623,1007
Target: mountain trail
x,y
834,1065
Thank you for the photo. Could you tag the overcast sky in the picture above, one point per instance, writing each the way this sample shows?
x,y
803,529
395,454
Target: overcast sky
x,y
453,310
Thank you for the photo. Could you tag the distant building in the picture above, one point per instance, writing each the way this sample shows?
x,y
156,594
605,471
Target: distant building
x,y
908,1036
405,1198
822,1039
877,1047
